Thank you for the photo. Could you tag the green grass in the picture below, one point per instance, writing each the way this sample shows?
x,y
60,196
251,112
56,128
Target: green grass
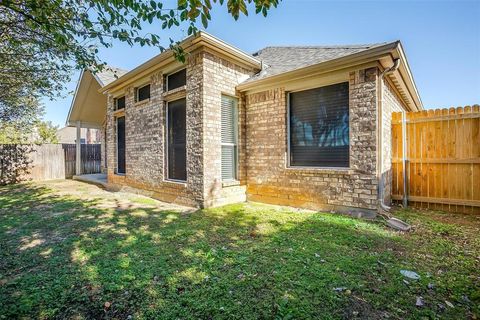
x,y
65,254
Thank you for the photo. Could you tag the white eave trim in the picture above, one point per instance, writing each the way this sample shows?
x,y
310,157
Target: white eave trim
x,y
188,44
376,53
67,122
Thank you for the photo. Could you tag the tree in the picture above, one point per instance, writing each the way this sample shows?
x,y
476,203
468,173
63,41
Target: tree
x,y
41,41
46,132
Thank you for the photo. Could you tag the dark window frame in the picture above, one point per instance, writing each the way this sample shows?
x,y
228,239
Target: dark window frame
x,y
289,133
167,87
116,103
117,159
137,95
167,143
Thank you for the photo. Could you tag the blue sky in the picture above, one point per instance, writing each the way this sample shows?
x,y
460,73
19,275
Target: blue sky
x,y
441,40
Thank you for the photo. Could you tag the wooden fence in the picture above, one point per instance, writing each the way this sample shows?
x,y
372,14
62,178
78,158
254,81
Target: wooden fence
x,y
90,155
46,161
443,159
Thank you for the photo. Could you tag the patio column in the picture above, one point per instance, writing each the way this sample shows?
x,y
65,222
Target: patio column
x,y
78,150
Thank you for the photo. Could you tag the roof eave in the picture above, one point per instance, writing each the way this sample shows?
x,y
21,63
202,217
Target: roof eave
x,y
82,82
358,57
376,53
405,69
67,121
189,44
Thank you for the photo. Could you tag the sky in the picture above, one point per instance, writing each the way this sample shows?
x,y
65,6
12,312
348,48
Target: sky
x,y
441,40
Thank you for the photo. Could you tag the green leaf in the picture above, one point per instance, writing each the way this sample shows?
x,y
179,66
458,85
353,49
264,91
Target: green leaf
x,y
204,20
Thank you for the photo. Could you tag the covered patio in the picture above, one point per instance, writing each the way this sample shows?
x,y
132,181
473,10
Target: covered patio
x,y
89,107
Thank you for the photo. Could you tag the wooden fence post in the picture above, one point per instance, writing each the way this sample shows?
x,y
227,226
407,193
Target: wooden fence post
x,y
78,141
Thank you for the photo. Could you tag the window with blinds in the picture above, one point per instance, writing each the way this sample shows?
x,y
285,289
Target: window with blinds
x,y
319,127
177,138
229,138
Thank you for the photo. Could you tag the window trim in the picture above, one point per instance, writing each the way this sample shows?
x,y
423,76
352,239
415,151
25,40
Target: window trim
x,y
115,103
136,93
166,176
236,135
288,153
173,72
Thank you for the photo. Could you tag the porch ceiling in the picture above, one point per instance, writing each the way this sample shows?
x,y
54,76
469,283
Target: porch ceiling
x,y
89,106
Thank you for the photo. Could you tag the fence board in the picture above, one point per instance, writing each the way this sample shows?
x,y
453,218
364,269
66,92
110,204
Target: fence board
x,y
443,159
46,161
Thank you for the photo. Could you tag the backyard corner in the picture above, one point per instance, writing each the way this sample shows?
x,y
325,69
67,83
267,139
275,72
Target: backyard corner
x,y
73,250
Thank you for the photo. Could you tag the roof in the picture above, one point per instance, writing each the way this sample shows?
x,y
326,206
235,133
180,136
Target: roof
x,y
88,104
277,60
109,74
189,44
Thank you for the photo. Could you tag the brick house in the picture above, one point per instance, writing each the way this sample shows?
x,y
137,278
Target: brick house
x,y
300,126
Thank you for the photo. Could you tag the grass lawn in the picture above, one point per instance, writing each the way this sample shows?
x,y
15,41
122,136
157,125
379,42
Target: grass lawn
x,y
71,250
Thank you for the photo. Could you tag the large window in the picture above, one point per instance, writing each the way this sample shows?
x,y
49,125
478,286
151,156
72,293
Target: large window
x,y
121,145
319,127
229,138
177,79
176,139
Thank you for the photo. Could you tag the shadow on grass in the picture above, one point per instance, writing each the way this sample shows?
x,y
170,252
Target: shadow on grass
x,y
63,257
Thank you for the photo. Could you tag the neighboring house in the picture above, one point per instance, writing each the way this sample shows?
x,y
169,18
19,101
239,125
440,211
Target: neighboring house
x,y
87,135
300,126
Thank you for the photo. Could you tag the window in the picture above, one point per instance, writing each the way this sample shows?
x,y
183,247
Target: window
x,y
229,138
176,139
177,79
142,93
319,127
121,145
119,103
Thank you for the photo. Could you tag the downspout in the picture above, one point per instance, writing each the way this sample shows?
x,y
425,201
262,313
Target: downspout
x,y
404,158
381,192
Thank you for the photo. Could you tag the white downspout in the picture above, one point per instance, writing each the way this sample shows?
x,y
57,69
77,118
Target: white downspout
x,y
404,158
396,64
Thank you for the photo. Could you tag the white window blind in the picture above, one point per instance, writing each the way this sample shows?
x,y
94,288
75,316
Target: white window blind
x,y
229,138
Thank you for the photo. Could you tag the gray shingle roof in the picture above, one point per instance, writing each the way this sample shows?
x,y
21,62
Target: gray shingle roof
x,y
109,74
277,60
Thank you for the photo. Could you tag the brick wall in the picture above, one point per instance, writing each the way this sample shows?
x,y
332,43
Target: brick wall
x,y
268,178
263,172
220,78
391,103
208,77
145,145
